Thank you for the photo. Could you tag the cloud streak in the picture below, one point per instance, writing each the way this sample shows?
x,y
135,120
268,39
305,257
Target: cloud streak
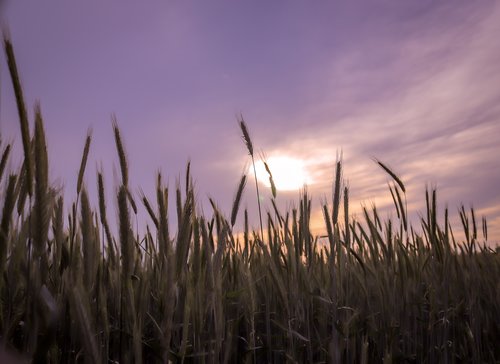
x,y
431,111
412,84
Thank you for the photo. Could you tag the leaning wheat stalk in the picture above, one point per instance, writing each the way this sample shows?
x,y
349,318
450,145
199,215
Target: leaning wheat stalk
x,y
248,143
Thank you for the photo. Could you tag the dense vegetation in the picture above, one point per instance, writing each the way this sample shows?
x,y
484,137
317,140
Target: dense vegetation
x,y
375,292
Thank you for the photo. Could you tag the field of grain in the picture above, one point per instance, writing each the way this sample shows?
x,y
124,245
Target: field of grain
x,y
376,292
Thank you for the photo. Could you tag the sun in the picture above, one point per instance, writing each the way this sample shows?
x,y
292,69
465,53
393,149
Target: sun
x,y
289,173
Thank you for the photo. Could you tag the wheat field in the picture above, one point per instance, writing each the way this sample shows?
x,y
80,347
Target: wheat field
x,y
377,291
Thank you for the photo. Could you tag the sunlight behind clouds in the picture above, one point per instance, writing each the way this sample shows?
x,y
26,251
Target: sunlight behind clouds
x,y
288,173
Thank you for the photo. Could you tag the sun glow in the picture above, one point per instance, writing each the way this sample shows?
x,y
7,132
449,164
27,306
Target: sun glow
x,y
288,173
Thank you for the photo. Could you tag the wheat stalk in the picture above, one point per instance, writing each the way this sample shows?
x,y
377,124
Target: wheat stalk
x,y
83,162
121,151
237,199
21,108
248,143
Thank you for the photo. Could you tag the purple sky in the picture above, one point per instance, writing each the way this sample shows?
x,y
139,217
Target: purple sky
x,y
415,84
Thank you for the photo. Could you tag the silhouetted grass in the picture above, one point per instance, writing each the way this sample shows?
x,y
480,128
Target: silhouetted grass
x,y
376,292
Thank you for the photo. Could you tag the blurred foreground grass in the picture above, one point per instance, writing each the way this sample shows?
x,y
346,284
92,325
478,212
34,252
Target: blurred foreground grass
x,y
70,291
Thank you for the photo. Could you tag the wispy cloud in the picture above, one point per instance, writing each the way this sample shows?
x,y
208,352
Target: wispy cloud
x,y
414,84
430,108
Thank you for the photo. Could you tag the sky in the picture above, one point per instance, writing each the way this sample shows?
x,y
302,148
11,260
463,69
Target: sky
x,y
415,84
